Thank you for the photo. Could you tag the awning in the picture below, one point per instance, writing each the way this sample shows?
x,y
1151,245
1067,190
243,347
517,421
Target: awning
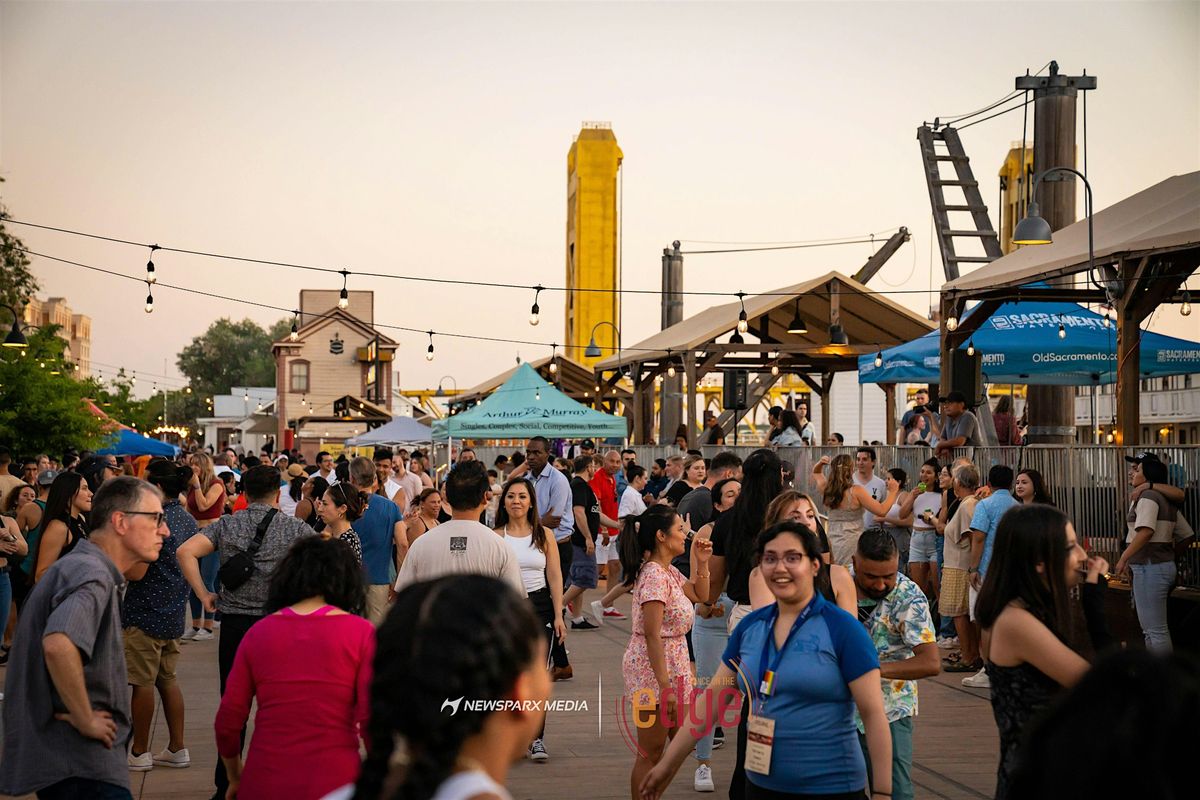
x,y
1019,343
401,430
526,405
127,443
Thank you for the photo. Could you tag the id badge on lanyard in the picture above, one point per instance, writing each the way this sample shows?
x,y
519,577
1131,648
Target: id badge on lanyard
x,y
760,728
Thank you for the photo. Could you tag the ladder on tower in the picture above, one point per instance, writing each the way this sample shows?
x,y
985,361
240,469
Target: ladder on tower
x,y
940,145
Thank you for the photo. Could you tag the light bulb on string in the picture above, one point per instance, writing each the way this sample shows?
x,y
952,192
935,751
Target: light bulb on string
x,y
775,369
670,365
743,324
344,295
878,358
537,395
149,299
295,334
1186,309
553,358
150,276
1062,331
952,323
535,310
971,347
429,350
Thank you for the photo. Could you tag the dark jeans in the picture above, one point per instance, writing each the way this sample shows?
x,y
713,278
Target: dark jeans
x,y
77,788
233,630
543,606
566,553
737,783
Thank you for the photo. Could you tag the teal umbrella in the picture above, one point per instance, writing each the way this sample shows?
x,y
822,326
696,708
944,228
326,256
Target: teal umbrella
x,y
526,405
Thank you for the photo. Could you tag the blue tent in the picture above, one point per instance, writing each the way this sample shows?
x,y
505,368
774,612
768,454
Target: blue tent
x,y
528,406
1020,343
130,443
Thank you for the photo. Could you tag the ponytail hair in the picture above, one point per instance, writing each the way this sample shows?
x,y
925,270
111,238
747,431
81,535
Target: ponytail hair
x,y
639,537
350,496
439,642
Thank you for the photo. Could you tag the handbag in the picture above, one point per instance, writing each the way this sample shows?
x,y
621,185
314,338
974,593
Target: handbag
x,y
240,566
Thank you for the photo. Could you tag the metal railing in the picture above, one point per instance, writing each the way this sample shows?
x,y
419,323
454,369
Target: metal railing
x,y
1089,483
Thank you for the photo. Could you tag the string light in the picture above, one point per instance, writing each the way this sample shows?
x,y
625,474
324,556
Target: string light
x,y
295,334
534,311
537,395
743,325
971,347
150,276
133,380
553,358
736,339
344,295
670,365
1062,331
952,323
429,350
1186,309
775,368
879,358
149,299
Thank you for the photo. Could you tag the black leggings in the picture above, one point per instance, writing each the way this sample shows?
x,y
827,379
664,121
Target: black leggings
x,y
543,606
566,554
759,793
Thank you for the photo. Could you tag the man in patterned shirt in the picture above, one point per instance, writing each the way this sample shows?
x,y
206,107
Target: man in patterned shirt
x,y
896,615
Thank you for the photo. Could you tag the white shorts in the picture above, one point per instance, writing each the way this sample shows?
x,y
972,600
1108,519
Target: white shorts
x,y
972,596
607,552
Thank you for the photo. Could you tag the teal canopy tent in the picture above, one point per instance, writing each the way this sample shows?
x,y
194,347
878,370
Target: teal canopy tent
x,y
525,405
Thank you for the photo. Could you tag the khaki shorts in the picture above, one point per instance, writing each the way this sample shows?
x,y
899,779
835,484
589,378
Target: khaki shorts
x,y
149,661
377,603
954,598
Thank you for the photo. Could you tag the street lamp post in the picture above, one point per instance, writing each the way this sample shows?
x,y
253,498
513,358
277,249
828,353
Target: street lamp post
x,y
16,336
1035,230
593,349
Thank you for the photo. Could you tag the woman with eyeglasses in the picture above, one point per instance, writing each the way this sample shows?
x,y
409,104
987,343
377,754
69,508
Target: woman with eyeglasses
x,y
63,524
804,664
338,509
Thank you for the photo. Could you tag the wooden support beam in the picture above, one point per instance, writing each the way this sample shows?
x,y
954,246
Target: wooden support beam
x,y
971,324
693,375
1128,428
889,412
826,385
876,262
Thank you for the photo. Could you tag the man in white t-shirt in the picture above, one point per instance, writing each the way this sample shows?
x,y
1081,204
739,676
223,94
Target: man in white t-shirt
x,y
388,487
410,480
864,476
462,545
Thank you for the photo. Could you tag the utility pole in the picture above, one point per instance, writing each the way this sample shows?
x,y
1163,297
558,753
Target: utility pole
x,y
672,312
1051,409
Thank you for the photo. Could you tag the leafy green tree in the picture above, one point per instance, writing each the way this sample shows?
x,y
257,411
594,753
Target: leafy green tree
x,y
42,408
231,354
116,399
17,283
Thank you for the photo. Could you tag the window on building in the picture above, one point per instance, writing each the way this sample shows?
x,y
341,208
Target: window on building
x,y
299,377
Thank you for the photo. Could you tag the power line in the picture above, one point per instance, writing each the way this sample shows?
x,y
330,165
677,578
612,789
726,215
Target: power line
x,y
993,116
949,120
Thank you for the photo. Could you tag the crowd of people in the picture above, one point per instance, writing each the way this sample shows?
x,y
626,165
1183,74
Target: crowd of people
x,y
351,599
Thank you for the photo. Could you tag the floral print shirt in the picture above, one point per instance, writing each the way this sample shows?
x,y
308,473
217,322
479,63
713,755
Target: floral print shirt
x,y
897,624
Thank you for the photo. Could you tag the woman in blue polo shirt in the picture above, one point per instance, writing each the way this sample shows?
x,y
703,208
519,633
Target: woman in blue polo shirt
x,y
805,664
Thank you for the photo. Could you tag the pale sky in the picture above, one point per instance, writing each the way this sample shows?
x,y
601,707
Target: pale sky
x,y
431,139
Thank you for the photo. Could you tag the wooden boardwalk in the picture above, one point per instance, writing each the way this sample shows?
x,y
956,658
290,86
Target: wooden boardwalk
x,y
955,747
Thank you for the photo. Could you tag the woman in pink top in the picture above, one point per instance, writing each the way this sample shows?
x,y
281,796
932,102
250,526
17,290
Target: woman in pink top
x,y
663,603
308,665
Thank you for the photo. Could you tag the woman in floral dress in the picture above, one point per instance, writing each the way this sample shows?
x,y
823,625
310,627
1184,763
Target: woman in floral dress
x,y
658,675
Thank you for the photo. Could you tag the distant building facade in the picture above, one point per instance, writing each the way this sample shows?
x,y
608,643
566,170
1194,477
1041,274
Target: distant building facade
x,y
74,329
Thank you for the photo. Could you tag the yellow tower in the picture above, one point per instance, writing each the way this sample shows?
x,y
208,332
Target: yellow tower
x,y
1014,188
592,226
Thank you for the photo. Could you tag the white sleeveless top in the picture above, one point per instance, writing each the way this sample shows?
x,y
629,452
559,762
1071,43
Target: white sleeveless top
x,y
531,560
459,786
927,501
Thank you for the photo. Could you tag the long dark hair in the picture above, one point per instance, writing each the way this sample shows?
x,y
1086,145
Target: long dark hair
x,y
762,480
806,535
58,502
296,487
439,641
1026,537
315,566
639,537
532,517
1040,493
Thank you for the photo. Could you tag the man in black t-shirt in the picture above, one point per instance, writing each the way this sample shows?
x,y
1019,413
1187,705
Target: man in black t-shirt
x,y
588,518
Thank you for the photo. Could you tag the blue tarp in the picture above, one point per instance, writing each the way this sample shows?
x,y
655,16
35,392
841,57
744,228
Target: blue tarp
x,y
1019,343
128,443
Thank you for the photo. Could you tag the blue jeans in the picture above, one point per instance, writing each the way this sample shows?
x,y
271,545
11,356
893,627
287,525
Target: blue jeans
x,y
709,637
1152,584
74,788
946,628
209,566
5,599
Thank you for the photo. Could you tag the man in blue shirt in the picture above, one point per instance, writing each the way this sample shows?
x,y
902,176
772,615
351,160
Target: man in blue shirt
x,y
383,535
983,537
553,493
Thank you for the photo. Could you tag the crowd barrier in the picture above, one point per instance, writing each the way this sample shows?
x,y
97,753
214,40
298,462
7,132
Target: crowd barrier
x,y
1089,483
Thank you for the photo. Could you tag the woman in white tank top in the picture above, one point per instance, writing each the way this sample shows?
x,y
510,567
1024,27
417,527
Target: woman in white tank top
x,y
923,506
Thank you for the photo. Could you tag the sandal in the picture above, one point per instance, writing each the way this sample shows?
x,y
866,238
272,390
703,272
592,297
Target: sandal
x,y
953,658
961,666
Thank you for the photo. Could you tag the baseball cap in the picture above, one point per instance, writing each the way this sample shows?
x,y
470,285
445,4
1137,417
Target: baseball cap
x,y
47,476
588,443
1142,457
955,397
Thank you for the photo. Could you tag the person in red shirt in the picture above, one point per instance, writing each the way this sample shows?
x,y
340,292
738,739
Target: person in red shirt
x,y
604,484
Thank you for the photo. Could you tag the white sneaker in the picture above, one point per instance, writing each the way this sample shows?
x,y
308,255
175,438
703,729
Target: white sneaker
x,y
188,635
948,643
203,635
598,612
179,759
142,763
978,681
704,779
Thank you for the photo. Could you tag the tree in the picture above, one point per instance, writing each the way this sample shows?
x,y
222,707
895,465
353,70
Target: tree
x,y
17,283
42,408
231,354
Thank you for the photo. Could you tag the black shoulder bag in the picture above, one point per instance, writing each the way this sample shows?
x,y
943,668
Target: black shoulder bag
x,y
238,569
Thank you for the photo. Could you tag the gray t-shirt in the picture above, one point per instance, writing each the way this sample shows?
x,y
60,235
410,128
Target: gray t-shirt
x,y
965,425
79,596
233,534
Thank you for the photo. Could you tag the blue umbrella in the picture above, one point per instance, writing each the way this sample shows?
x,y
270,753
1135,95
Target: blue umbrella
x,y
128,443
1020,343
